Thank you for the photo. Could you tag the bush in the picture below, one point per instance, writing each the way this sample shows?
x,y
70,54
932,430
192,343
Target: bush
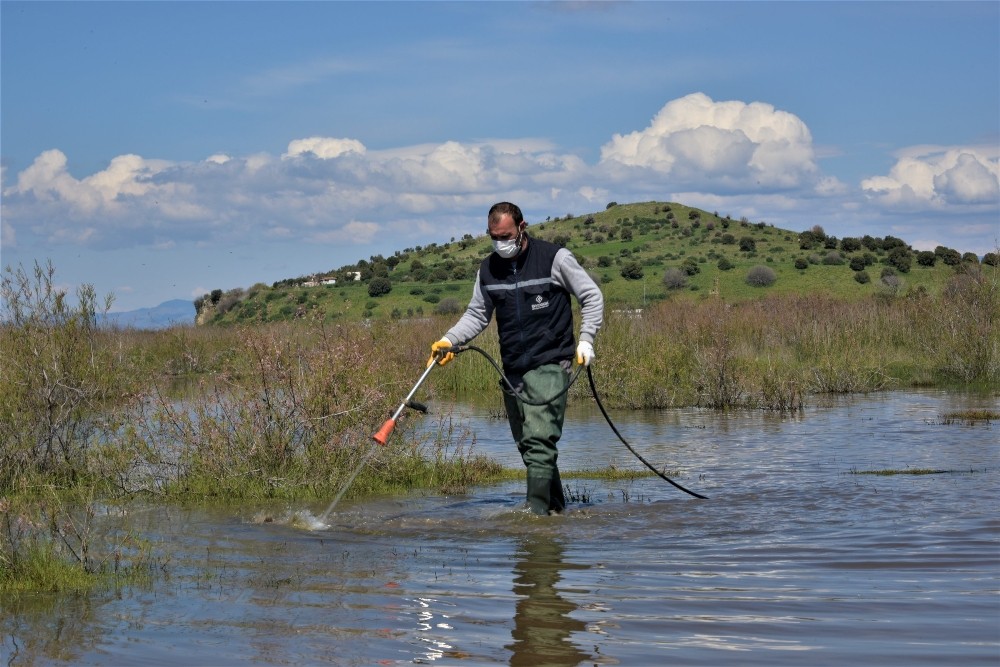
x,y
379,286
432,298
850,244
632,270
674,278
900,257
54,377
761,276
801,263
948,255
690,266
747,244
862,277
857,263
448,306
724,264
833,258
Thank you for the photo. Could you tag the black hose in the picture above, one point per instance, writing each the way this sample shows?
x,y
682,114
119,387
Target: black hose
x,y
593,390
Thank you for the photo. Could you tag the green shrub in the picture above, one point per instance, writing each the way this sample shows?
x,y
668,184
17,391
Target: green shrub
x,y
55,376
862,277
761,276
632,270
379,286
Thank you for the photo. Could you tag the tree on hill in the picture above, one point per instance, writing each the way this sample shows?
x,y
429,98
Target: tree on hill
x,y
379,286
632,270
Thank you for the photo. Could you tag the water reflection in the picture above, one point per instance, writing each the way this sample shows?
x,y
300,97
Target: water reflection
x,y
542,622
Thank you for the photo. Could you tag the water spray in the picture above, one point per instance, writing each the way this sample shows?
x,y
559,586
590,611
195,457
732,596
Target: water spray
x,y
381,437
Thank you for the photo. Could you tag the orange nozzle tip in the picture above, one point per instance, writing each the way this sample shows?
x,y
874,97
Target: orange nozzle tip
x,y
382,435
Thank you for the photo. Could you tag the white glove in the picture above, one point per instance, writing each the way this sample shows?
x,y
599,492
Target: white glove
x,y
584,353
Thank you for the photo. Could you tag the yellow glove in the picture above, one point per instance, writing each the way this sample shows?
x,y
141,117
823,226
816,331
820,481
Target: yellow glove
x,y
437,352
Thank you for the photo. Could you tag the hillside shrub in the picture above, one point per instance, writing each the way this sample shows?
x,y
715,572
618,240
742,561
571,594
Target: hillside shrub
x,y
674,278
761,276
900,258
850,244
632,270
833,258
379,286
801,263
448,306
862,277
724,264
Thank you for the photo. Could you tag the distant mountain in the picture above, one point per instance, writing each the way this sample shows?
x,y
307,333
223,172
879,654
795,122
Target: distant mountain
x,y
168,313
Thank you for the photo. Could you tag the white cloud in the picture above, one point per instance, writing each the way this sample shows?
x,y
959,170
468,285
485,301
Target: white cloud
x,y
694,140
937,176
733,157
47,180
324,148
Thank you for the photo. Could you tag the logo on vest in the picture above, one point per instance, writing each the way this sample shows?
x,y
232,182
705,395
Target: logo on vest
x,y
539,304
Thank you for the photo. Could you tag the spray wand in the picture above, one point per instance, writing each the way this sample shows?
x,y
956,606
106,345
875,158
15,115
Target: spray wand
x,y
381,436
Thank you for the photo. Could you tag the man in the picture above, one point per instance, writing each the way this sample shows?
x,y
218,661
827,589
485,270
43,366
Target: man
x,y
527,284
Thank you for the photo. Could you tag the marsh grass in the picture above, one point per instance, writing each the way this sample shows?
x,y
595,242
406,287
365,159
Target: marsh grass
x,y
57,542
888,472
970,416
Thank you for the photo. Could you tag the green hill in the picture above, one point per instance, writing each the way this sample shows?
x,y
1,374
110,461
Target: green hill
x,y
639,253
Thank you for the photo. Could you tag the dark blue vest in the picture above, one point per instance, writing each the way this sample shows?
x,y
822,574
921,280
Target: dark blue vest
x,y
534,315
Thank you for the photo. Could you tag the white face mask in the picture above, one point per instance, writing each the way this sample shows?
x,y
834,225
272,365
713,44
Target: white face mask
x,y
509,248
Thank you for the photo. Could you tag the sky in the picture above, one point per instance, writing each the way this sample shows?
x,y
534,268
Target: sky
x,y
161,150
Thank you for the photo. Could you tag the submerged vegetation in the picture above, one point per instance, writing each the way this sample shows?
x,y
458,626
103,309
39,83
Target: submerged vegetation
x,y
970,416
94,418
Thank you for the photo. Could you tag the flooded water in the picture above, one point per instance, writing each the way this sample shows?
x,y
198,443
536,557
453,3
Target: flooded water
x,y
795,559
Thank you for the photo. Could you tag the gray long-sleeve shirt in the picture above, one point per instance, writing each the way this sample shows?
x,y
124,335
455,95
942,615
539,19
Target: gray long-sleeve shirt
x,y
568,274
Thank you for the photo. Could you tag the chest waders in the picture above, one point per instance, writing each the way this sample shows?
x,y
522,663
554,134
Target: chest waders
x,y
536,430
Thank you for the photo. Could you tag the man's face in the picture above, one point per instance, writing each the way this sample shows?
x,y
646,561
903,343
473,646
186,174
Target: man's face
x,y
504,230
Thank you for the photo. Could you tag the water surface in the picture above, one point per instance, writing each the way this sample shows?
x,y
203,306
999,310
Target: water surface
x,y
795,559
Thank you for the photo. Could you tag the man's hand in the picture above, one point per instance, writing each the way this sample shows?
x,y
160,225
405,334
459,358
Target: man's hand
x,y
584,353
437,352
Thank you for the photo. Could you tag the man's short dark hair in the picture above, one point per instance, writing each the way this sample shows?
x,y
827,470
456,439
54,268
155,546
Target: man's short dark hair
x,y
501,209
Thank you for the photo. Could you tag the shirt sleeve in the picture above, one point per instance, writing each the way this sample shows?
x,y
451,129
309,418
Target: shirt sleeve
x,y
475,319
569,275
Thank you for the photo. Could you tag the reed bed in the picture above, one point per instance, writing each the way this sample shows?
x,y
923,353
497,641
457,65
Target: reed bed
x,y
775,353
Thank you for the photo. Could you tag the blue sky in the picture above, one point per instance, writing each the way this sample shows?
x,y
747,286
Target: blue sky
x,y
160,150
